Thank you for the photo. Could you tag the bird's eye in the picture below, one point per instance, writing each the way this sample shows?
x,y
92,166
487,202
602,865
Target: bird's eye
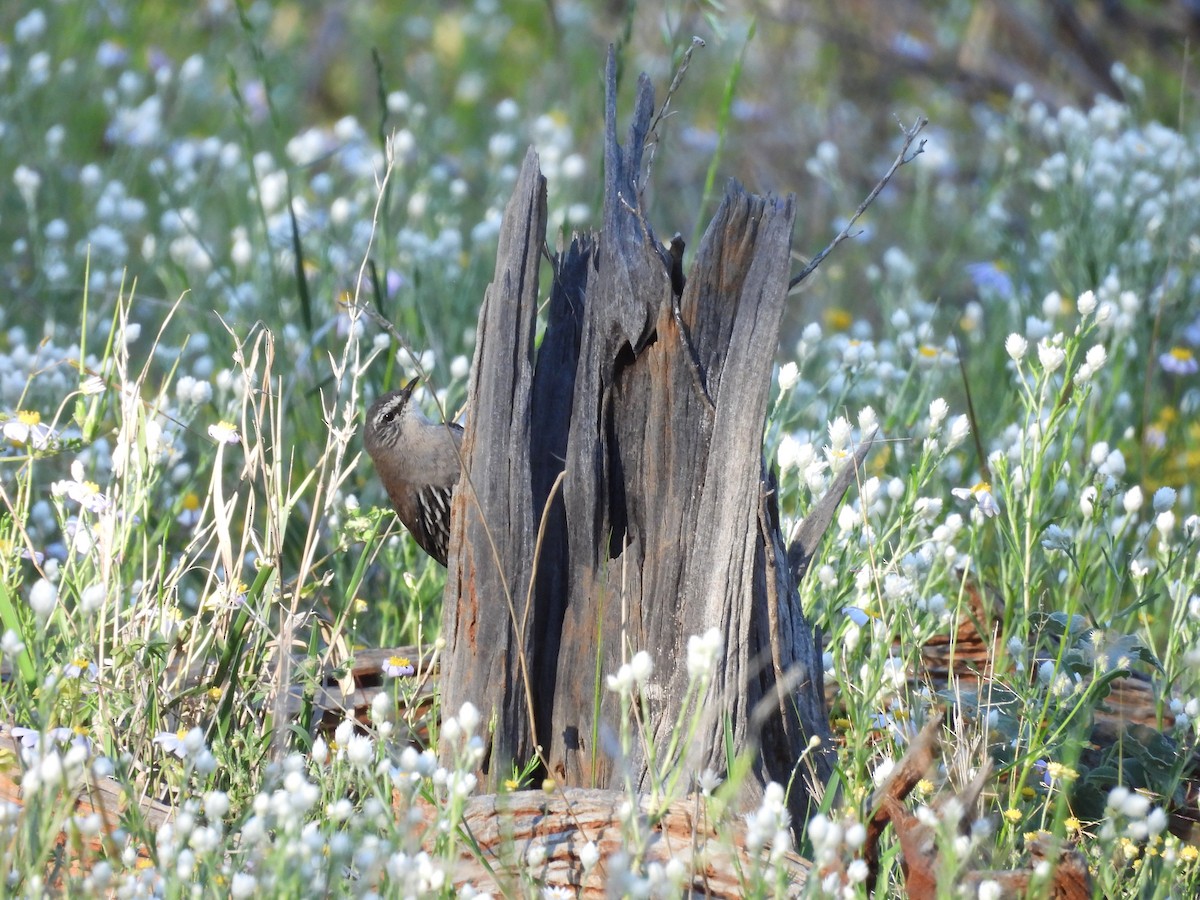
x,y
389,416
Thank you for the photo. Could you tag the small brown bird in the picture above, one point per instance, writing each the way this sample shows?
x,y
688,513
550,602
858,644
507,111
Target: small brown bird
x,y
418,462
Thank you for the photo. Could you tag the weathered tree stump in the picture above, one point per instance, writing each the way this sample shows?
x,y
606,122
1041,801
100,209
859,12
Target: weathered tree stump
x,y
615,496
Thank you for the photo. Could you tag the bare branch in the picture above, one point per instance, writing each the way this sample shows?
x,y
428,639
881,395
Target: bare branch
x,y
677,81
652,134
903,157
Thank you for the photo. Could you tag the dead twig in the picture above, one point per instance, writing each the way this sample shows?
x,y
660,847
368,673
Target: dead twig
x,y
652,135
903,157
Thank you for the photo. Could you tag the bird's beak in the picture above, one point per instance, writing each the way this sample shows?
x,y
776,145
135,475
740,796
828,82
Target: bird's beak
x,y
412,385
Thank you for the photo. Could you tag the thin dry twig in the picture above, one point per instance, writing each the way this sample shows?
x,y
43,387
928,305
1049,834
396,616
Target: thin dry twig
x,y
903,157
652,134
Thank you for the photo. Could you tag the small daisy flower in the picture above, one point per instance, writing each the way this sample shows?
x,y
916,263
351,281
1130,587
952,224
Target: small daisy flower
x,y
81,666
928,355
990,278
236,593
27,429
176,742
78,737
1179,361
981,493
224,433
189,513
172,741
1059,772
837,319
28,738
92,385
86,493
397,666
859,617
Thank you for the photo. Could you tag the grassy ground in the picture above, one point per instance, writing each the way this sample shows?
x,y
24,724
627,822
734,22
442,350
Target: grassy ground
x,y
187,202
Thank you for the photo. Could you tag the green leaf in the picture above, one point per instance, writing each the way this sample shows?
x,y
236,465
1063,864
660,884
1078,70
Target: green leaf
x,y
12,622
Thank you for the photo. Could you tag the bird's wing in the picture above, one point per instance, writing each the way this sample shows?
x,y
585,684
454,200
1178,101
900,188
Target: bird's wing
x,y
433,509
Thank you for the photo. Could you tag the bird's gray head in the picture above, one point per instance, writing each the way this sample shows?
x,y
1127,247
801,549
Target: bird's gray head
x,y
386,418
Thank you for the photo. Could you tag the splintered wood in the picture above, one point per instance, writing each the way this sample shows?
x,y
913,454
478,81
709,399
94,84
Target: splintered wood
x,y
1068,879
552,828
77,799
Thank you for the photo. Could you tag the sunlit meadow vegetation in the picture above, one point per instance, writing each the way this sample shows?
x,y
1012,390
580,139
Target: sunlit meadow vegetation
x,y
193,225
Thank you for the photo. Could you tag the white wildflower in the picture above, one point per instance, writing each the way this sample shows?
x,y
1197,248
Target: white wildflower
x,y
839,433
789,375
1164,499
1057,538
224,433
43,597
1051,354
938,410
960,427
642,667
1016,346
703,651
788,454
